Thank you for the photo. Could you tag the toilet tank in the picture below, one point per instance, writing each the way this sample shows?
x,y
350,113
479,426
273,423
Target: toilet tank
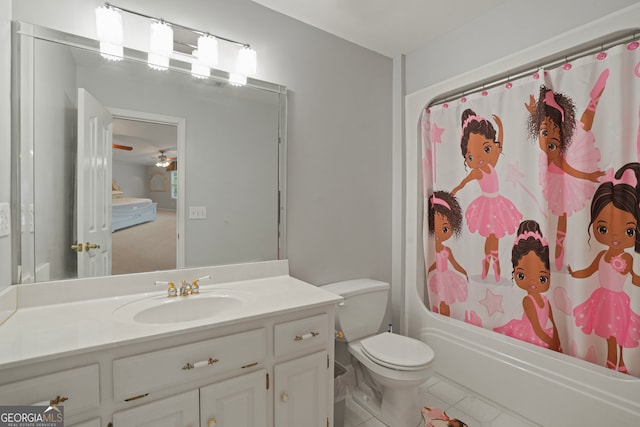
x,y
363,309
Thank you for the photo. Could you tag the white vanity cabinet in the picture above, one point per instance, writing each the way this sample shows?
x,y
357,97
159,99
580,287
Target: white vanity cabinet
x,y
301,389
268,366
293,368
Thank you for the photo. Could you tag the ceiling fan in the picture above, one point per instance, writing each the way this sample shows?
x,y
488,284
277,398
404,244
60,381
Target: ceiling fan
x,y
122,147
164,161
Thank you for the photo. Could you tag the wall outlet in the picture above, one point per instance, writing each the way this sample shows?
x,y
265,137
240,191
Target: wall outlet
x,y
197,212
5,219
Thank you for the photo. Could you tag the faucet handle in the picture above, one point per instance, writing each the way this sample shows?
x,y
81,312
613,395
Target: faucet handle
x,y
171,288
195,285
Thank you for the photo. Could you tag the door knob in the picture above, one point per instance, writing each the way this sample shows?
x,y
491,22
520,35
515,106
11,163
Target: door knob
x,y
284,397
88,246
212,423
77,247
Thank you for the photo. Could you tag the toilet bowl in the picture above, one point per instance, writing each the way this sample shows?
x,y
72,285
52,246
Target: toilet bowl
x,y
398,365
392,366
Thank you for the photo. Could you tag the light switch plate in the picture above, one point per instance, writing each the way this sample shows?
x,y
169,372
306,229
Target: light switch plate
x,y
5,219
197,212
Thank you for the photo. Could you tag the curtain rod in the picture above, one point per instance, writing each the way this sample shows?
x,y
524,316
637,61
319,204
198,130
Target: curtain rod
x,y
555,61
173,24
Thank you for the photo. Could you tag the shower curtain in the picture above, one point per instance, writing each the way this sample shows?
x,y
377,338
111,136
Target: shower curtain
x,y
531,208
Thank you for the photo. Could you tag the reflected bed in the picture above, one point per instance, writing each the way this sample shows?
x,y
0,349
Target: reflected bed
x,y
129,211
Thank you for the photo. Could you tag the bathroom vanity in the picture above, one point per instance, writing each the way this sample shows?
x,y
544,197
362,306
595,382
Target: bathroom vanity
x,y
262,355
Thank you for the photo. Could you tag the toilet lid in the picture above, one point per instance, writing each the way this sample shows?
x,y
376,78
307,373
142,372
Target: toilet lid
x,y
397,351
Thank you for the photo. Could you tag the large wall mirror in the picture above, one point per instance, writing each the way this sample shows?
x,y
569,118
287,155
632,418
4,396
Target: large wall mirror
x,y
119,168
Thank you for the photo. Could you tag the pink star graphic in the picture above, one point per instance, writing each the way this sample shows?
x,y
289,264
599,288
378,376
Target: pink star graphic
x,y
514,174
492,302
436,138
436,133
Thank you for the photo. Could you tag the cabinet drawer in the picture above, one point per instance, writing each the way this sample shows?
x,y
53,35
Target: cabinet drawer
x,y
91,423
302,334
144,373
79,385
176,411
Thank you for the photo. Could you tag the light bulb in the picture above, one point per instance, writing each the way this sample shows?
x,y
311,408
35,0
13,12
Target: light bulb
x,y
198,69
160,45
246,62
208,50
109,32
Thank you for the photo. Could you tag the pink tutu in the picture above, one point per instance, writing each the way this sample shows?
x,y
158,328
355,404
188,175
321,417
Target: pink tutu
x,y
566,194
522,328
492,215
446,284
609,314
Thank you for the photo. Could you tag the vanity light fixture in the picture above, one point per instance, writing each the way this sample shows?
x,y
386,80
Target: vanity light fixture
x,y
109,29
205,57
160,45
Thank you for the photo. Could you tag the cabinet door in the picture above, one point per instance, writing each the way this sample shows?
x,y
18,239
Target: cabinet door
x,y
175,411
237,402
301,387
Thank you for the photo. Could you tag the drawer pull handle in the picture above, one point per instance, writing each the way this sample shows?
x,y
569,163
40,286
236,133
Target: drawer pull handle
x,y
284,397
53,402
58,400
212,422
306,336
140,396
200,364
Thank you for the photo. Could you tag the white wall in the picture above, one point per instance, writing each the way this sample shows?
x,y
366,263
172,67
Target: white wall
x,y
513,26
132,178
339,124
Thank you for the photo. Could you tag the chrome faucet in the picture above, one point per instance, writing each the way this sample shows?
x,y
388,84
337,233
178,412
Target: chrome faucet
x,y
195,285
186,289
171,288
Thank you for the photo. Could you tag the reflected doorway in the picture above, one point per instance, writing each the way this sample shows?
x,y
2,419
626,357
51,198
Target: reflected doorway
x,y
145,196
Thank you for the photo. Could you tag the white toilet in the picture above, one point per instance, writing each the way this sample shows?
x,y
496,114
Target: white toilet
x,y
391,366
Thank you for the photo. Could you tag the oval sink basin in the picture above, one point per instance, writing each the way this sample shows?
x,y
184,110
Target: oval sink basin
x,y
163,310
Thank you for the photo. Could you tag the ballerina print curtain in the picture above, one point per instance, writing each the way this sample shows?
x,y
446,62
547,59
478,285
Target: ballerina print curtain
x,y
531,208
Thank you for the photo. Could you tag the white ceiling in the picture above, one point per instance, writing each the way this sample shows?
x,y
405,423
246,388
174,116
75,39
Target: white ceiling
x,y
389,27
146,140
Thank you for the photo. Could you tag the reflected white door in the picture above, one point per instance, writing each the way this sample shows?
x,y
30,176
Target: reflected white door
x,y
93,197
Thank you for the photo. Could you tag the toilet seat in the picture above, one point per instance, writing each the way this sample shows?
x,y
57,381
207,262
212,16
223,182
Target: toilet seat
x,y
397,352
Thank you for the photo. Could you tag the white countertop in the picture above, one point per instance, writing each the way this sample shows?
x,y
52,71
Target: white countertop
x,y
44,332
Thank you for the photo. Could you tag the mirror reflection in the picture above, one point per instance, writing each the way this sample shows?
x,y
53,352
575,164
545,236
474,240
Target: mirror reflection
x,y
125,169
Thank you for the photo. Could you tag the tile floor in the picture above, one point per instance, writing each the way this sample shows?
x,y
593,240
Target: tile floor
x,y
456,401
